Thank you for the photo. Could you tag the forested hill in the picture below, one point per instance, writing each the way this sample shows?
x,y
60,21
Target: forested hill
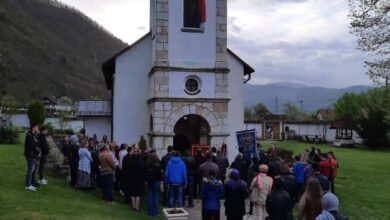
x,y
50,49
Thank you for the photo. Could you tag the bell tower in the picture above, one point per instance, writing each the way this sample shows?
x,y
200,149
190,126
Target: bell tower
x,y
189,74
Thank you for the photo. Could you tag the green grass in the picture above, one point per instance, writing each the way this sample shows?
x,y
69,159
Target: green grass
x,y
54,201
363,181
363,187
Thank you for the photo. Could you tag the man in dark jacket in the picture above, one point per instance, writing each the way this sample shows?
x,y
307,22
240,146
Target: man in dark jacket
x,y
206,167
274,166
278,203
44,152
164,161
324,182
199,158
289,184
32,154
240,165
190,163
223,163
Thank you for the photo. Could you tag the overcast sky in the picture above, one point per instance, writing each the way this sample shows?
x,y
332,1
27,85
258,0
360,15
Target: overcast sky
x,y
298,41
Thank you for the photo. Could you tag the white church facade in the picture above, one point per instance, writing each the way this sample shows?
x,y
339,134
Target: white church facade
x,y
179,84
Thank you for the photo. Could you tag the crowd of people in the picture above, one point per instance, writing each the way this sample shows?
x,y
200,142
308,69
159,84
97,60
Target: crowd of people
x,y
272,183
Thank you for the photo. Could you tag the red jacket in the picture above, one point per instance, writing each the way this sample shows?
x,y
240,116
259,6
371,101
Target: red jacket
x,y
328,168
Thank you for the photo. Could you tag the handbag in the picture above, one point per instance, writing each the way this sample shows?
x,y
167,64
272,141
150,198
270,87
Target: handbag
x,y
255,192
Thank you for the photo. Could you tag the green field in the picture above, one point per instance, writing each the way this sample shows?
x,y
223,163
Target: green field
x,y
363,186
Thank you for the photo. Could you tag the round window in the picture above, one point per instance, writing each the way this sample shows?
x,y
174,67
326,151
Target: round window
x,y
192,86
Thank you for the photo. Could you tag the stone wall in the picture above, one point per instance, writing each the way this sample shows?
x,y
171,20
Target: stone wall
x,y
166,114
221,39
161,41
160,84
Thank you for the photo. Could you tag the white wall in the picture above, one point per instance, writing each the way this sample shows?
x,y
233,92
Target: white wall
x,y
131,92
187,49
257,127
236,104
98,125
177,85
21,120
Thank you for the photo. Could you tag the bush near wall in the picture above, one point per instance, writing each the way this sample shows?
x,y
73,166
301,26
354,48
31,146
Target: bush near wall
x,y
9,135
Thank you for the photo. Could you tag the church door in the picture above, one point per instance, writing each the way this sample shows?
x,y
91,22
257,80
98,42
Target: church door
x,y
191,130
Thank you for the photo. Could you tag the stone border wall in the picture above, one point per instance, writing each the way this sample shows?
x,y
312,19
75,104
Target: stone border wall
x,y
162,15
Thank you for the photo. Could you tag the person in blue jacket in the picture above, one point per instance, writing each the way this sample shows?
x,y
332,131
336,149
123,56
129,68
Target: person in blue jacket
x,y
299,173
176,177
211,192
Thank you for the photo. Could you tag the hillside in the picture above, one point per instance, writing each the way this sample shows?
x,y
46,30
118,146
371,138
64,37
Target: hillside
x,y
49,49
313,97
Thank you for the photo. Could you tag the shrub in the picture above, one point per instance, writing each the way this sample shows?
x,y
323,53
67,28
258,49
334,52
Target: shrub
x,y
9,135
36,112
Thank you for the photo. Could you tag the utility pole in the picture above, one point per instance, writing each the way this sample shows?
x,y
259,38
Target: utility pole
x,y
276,105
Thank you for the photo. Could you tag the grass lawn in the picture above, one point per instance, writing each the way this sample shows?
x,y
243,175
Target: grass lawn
x,y
363,182
54,201
363,186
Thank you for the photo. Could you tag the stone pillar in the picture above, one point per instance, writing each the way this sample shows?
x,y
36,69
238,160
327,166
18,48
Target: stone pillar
x,y
221,33
161,41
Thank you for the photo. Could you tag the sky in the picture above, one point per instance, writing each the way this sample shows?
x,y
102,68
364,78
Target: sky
x,y
297,41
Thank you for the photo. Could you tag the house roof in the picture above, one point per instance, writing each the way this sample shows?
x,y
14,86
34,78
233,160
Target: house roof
x,y
94,108
109,65
326,115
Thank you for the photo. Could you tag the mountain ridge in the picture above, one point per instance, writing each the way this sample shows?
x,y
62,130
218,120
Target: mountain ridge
x,y
313,97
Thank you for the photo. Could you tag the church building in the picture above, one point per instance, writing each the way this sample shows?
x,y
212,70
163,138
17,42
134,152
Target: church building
x,y
179,84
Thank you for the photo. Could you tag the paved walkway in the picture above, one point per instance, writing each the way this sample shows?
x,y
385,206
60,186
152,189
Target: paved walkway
x,y
196,212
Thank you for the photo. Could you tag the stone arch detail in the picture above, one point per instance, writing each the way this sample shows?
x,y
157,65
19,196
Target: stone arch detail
x,y
216,123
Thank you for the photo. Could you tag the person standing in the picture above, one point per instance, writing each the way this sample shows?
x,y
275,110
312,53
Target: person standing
x,y
240,165
164,161
223,163
176,177
211,193
73,159
260,186
32,153
153,178
134,171
289,184
206,167
199,158
190,163
333,169
107,168
310,204
84,172
142,144
278,203
235,191
44,152
299,173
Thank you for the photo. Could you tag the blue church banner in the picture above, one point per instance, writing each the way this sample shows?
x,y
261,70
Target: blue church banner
x,y
247,142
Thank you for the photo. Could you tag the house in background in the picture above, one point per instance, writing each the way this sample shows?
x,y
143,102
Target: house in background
x,y
179,84
96,116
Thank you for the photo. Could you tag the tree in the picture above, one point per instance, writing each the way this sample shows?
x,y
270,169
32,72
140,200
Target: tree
x,y
373,125
370,22
36,112
293,113
348,107
255,111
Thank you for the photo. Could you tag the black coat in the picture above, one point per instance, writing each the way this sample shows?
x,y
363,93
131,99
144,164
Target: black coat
x,y
235,200
291,187
153,172
274,168
43,144
190,165
31,146
241,166
278,205
164,160
133,173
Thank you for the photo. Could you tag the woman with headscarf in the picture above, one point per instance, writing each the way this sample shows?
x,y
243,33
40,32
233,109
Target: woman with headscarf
x,y
235,193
